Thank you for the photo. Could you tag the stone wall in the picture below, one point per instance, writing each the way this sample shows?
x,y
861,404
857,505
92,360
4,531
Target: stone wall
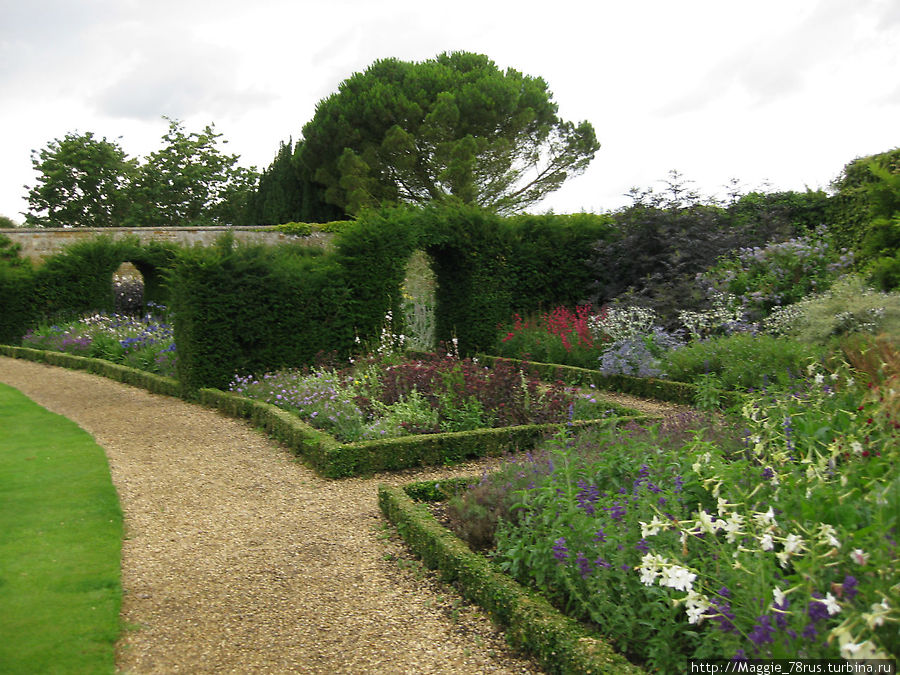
x,y
40,243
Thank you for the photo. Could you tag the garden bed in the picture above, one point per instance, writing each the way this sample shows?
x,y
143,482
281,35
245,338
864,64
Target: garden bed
x,y
561,644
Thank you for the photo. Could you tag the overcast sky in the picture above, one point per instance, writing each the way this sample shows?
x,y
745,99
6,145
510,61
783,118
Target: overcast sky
x,y
775,93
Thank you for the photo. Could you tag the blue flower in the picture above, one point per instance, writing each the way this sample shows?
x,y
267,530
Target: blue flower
x,y
560,551
763,631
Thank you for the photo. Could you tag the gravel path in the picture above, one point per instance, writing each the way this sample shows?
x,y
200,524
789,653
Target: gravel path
x,y
239,559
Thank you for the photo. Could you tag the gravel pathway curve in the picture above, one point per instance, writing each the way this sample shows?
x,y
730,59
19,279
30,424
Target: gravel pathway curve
x,y
239,559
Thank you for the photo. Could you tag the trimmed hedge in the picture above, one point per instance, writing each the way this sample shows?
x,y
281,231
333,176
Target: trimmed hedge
x,y
561,644
244,309
646,387
155,384
77,280
325,454
333,459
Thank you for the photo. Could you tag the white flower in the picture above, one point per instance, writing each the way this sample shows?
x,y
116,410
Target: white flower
x,y
778,596
879,611
831,604
733,526
857,447
651,528
828,535
696,607
722,506
650,565
793,543
765,519
766,542
706,524
677,577
859,556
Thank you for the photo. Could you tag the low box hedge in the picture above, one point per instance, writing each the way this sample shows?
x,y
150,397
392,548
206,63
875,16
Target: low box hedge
x,y
646,387
155,384
333,459
561,644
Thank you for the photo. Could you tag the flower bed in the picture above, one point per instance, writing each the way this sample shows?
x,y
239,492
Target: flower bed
x,y
144,342
694,542
381,398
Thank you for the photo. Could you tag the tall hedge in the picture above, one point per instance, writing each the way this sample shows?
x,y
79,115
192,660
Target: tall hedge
x,y
76,280
249,309
550,254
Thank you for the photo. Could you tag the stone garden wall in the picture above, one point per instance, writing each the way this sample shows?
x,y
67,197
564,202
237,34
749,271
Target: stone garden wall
x,y
40,243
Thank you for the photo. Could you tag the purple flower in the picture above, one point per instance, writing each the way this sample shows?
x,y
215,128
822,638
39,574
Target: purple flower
x,y
722,615
587,496
762,632
780,618
816,610
600,537
616,511
584,565
849,586
601,562
642,546
560,551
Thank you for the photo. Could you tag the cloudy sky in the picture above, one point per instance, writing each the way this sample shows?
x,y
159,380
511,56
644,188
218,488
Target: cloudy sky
x,y
779,94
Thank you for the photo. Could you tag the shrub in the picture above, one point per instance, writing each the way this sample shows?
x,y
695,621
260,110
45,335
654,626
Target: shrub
x,y
380,398
143,342
849,306
741,361
714,551
779,274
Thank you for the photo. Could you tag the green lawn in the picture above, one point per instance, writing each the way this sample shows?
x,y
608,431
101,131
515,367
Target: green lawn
x,y
60,545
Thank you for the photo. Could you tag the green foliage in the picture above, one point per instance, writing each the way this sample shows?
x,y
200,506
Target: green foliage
x,y
779,274
77,281
548,261
881,245
453,127
60,549
7,222
849,306
189,182
286,193
83,182
10,253
295,229
18,309
663,240
251,309
740,361
849,211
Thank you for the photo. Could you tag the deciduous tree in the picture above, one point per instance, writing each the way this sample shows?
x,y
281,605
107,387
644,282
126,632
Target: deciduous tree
x,y
82,182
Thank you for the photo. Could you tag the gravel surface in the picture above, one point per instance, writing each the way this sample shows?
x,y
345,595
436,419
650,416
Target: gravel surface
x,y
239,559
